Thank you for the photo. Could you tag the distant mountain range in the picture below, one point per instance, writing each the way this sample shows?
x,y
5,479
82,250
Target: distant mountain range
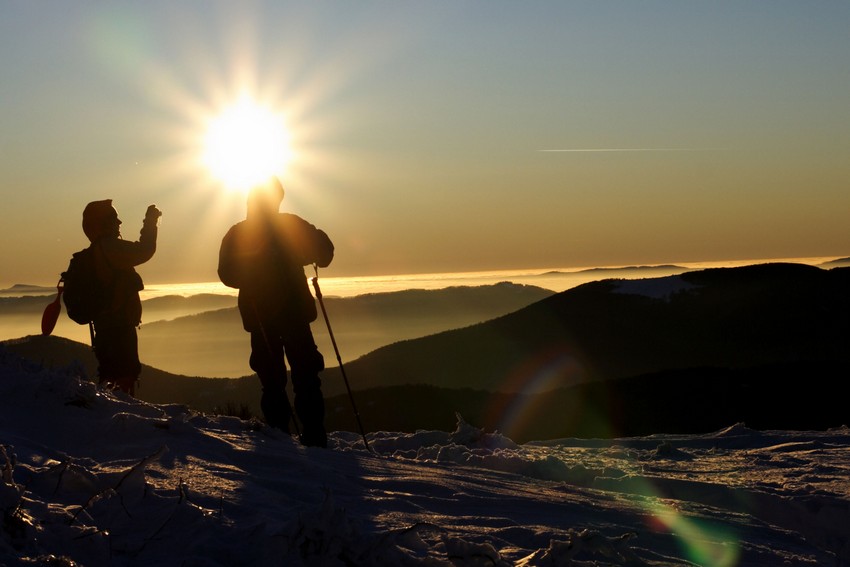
x,y
213,343
839,262
202,334
768,345
663,269
723,317
19,290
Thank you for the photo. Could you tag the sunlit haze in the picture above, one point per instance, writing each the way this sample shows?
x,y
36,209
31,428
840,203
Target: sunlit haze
x,y
430,137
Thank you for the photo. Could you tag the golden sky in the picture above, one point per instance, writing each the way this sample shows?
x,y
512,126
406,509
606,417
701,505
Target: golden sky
x,y
435,136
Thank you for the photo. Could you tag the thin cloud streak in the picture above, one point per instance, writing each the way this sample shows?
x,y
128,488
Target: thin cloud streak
x,y
591,150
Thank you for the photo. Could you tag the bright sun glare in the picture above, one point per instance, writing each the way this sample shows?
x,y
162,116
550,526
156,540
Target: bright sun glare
x,y
246,144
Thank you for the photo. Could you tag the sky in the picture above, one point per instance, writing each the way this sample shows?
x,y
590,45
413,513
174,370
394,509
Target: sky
x,y
97,478
435,136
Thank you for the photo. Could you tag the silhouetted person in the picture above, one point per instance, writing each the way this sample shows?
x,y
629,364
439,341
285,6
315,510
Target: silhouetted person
x,y
264,257
115,340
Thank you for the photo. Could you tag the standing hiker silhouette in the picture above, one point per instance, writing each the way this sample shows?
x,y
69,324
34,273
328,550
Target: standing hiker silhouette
x,y
115,340
264,257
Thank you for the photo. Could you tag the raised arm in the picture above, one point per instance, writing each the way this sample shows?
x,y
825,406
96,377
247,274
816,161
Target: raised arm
x,y
125,253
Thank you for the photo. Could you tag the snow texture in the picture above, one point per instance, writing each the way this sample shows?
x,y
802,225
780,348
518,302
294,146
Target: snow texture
x,y
94,478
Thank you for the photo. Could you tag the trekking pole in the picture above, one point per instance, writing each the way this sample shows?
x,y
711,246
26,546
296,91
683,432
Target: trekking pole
x,y
315,281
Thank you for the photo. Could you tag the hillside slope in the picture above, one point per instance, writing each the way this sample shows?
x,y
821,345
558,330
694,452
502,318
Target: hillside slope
x,y
214,344
802,395
729,317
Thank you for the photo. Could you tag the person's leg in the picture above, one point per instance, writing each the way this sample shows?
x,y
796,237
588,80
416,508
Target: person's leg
x,y
267,360
117,352
306,362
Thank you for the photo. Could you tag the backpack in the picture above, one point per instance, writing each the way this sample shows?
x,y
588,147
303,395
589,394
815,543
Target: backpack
x,y
86,296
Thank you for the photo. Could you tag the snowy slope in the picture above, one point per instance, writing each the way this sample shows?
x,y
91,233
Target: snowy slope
x,y
93,479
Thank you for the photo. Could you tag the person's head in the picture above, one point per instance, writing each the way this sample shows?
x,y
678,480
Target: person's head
x,y
264,199
100,219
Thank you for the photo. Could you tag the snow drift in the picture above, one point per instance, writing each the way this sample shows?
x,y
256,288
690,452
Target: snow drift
x,y
93,478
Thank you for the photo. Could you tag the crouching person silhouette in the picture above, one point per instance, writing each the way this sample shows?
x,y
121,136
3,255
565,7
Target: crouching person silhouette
x,y
116,344
264,257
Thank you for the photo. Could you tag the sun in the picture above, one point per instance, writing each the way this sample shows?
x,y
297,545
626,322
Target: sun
x,y
246,144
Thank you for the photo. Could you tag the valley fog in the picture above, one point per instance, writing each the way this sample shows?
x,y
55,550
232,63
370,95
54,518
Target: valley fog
x,y
194,329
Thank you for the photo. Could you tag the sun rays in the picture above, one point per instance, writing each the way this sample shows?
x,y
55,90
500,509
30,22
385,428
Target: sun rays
x,y
224,111
246,144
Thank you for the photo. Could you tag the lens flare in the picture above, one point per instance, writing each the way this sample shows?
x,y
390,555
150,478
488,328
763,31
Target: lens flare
x,y
548,369
246,144
704,542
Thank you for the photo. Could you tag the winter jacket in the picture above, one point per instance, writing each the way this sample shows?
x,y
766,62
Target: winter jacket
x,y
264,257
115,261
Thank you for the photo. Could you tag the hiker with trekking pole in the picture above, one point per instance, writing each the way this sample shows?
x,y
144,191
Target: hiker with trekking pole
x,y
264,257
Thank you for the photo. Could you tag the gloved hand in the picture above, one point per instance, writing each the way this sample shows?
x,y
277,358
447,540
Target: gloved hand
x,y
152,214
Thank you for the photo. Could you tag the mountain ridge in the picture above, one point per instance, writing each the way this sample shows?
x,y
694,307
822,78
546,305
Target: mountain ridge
x,y
730,317
605,358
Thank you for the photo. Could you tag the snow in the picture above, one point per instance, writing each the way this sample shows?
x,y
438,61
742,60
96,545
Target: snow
x,y
94,478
